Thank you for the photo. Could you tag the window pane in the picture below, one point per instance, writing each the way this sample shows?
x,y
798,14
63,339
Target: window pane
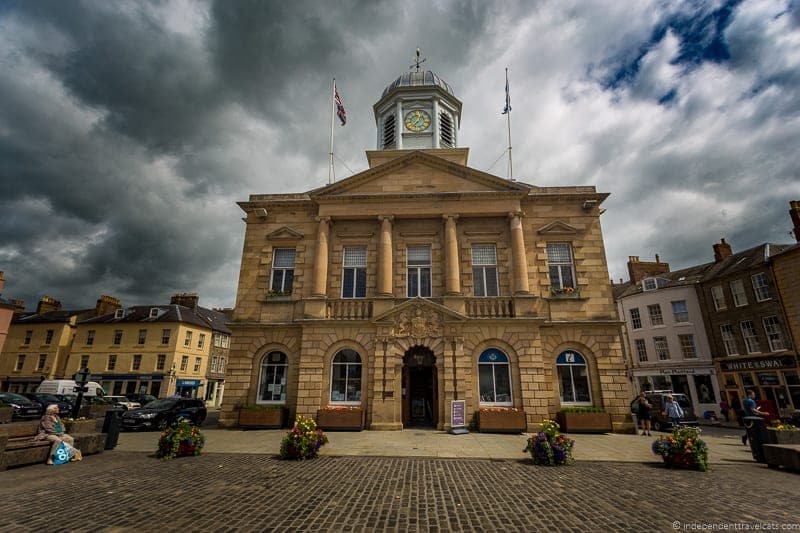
x,y
486,383
502,383
566,277
484,254
491,282
354,390
348,282
479,287
355,256
581,381
419,255
288,278
559,252
354,371
284,258
555,276
565,376
277,280
361,283
413,282
425,282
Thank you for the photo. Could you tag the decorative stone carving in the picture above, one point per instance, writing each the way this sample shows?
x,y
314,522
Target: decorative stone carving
x,y
417,323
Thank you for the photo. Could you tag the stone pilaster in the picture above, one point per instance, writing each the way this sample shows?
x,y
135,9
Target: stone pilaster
x,y
321,258
519,259
385,257
453,274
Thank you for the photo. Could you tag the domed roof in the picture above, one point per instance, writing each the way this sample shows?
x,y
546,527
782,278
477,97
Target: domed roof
x,y
420,78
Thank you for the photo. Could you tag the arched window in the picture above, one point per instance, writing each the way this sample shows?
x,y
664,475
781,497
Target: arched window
x,y
574,378
494,378
272,379
346,377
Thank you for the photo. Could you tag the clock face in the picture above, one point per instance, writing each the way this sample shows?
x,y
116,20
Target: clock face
x,y
417,120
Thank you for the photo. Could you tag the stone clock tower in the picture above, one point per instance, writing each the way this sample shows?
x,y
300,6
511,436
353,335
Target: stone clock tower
x,y
416,111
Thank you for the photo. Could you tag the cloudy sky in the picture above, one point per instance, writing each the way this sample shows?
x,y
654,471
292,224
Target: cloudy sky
x,y
128,130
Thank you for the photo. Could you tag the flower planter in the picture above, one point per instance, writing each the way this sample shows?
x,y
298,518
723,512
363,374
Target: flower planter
x,y
505,421
262,418
341,419
585,422
680,460
784,436
5,414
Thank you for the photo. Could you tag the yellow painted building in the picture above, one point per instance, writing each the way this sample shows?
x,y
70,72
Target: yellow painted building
x,y
422,280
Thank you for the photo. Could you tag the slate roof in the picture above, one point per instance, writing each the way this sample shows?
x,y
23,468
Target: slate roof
x,y
677,278
60,316
744,260
201,316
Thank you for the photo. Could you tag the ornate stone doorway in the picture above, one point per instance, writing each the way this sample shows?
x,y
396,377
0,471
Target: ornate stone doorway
x,y
420,395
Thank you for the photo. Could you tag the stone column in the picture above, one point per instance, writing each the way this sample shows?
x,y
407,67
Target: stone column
x,y
321,258
519,261
453,275
385,271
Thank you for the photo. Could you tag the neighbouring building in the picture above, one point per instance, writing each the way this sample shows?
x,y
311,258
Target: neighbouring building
x,y
155,349
666,337
422,280
6,312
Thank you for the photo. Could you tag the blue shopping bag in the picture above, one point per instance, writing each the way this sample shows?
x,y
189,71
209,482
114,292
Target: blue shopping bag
x,y
61,454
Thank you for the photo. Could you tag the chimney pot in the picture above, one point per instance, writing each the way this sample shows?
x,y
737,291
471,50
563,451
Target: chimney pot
x,y
722,250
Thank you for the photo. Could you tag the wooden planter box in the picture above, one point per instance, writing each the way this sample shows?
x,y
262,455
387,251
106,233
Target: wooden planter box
x,y
5,414
783,436
585,422
502,421
341,420
262,418
81,426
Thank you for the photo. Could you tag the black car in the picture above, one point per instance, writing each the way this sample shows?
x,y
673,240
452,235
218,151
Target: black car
x,y
23,407
143,399
64,408
160,414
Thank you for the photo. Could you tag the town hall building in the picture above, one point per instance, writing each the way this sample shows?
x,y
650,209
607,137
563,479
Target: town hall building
x,y
421,280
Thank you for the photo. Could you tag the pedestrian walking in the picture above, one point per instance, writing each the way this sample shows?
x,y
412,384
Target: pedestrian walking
x,y
673,411
724,408
751,409
644,411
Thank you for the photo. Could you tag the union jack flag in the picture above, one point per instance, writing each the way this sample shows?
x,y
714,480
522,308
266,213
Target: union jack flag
x,y
342,114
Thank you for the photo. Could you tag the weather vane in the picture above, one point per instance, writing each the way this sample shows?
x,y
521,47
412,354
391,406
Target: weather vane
x,y
418,61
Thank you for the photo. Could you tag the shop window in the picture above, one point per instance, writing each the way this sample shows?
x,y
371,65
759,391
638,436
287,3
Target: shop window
x,y
484,270
419,271
354,272
750,337
760,287
656,318
272,378
747,380
282,270
346,377
641,350
680,312
636,318
719,298
494,378
560,267
728,339
774,333
573,377
737,290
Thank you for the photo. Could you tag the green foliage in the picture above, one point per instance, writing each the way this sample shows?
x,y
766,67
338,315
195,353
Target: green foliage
x,y
179,440
684,446
549,447
583,410
303,441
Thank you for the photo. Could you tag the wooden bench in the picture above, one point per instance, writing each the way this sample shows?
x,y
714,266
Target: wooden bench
x,y
782,456
19,447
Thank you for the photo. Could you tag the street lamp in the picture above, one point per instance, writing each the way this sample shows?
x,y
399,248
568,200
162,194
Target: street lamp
x,y
81,378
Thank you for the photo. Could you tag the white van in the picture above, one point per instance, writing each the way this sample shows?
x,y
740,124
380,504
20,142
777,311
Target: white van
x,y
68,386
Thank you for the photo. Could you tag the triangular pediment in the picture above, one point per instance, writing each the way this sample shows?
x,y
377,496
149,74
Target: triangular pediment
x,y
557,228
418,307
419,172
285,233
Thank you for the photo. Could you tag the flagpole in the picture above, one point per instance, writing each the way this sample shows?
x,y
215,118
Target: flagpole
x,y
331,175
508,120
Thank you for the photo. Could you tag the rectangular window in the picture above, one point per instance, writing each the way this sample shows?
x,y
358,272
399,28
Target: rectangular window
x,y
28,336
201,340
750,337
20,362
282,270
112,362
559,262
636,319
142,336
161,361
165,336
680,312
117,336
760,287
774,333
222,364
214,361
737,289
48,337
40,364
662,348
484,270
649,284
688,348
90,337
184,363
728,339
655,315
719,298
188,340
354,272
641,350
137,362
84,361
419,271
197,361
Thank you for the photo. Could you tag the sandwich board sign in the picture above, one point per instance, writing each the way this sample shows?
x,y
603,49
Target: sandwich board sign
x,y
458,417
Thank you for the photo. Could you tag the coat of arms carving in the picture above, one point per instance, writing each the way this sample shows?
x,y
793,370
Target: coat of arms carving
x,y
417,324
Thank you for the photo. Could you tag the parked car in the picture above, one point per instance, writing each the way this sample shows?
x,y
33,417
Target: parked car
x,y
658,399
64,408
123,401
160,414
143,399
23,407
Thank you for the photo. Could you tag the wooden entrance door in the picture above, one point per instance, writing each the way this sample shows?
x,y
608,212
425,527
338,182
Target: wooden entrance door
x,y
420,398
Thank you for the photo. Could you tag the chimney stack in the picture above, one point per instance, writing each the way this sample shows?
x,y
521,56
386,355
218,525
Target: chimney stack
x,y
106,305
19,305
186,299
638,270
794,212
722,250
47,304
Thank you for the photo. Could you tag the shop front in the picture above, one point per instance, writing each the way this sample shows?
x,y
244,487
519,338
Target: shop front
x,y
697,383
774,379
188,388
129,384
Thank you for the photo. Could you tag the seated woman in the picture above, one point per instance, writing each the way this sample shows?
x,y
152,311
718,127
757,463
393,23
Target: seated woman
x,y
52,428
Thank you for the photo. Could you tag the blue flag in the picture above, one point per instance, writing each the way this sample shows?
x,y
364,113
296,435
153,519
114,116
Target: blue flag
x,y
507,108
342,114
